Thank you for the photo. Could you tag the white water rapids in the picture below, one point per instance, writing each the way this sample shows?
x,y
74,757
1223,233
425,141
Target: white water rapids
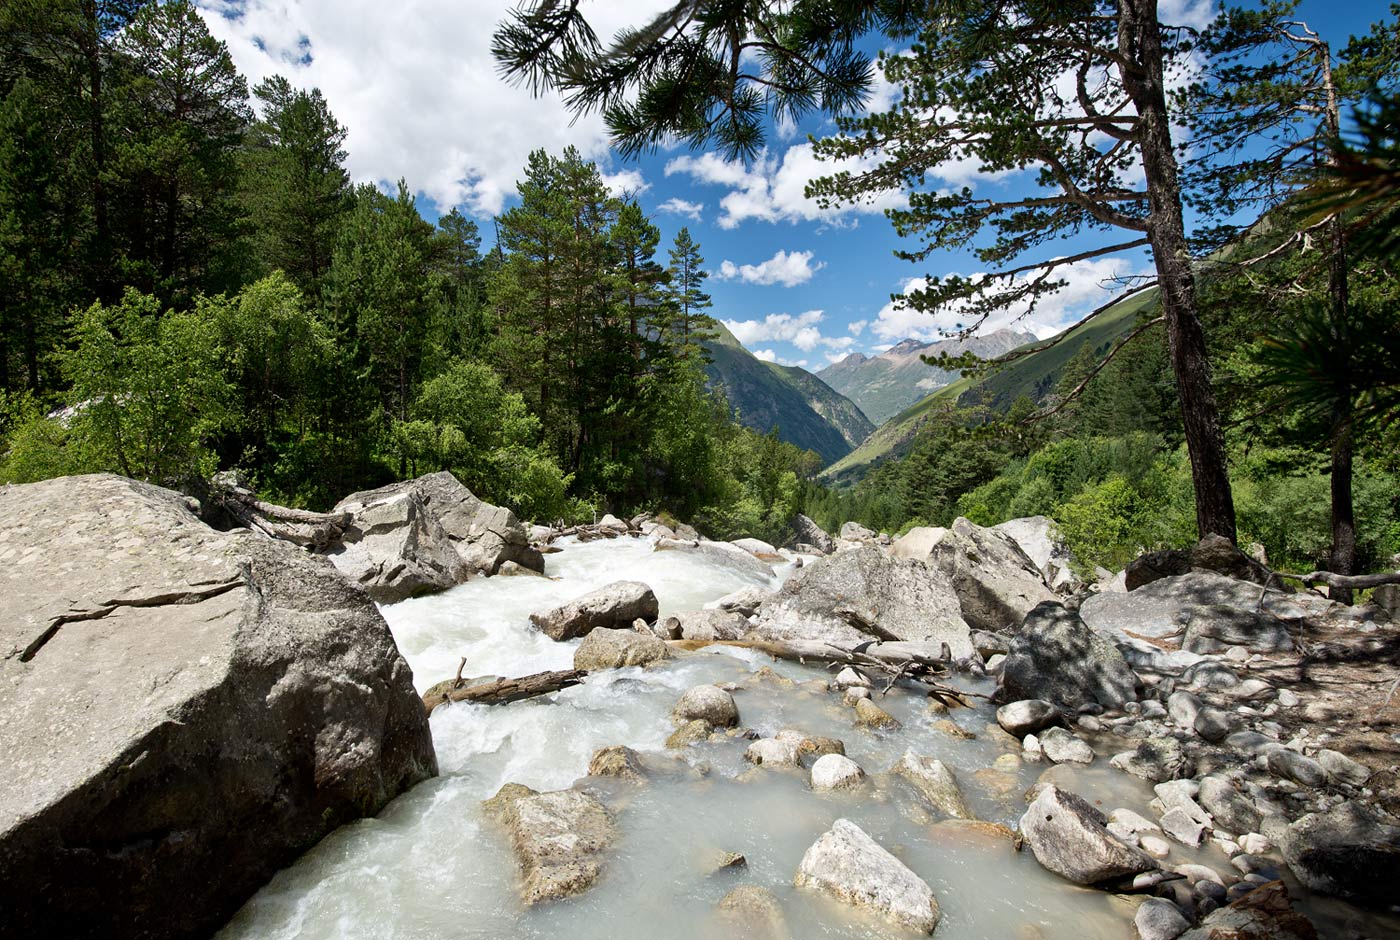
x,y
431,866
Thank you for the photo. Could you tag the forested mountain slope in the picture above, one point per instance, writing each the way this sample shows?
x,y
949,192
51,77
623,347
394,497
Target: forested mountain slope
x,y
1034,376
806,411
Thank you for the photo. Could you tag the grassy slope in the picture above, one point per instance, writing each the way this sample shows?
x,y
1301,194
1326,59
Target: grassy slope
x,y
1034,376
806,411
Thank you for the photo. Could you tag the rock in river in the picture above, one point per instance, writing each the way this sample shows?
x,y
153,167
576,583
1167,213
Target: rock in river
x,y
175,702
855,869
1070,838
614,606
932,778
862,593
1350,851
603,648
559,838
707,703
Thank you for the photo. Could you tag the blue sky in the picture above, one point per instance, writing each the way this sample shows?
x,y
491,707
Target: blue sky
x,y
419,93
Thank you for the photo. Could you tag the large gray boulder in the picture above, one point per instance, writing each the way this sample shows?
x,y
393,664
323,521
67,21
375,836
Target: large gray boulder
x,y
1058,659
1161,611
863,593
176,701
996,583
614,606
1037,537
1216,627
1350,851
853,868
1213,553
559,839
807,532
426,535
1071,838
395,547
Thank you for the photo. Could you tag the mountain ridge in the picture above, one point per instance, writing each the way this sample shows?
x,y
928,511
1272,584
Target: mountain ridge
x,y
884,385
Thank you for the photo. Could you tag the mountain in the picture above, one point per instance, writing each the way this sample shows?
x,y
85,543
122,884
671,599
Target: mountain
x,y
806,411
1034,375
884,385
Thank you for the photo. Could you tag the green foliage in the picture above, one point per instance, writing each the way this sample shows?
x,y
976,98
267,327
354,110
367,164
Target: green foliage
x,y
149,390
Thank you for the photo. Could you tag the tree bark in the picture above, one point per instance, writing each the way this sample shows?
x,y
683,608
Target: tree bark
x,y
1140,42
1343,558
501,691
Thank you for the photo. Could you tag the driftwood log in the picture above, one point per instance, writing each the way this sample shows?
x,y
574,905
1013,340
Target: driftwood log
x,y
317,530
499,690
896,660
1354,581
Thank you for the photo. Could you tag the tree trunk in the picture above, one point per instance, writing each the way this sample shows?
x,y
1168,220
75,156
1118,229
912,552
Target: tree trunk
x,y
1140,41
1343,560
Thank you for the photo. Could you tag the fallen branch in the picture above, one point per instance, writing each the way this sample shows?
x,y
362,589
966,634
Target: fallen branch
x,y
500,690
1343,580
317,530
901,659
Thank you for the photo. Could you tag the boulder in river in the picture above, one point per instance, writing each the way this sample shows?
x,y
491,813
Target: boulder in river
x,y
753,912
425,535
395,547
836,772
1070,838
1027,716
722,553
861,594
177,701
1266,913
617,761
996,583
712,625
1350,851
1055,657
707,703
614,606
848,865
745,601
605,648
935,782
559,838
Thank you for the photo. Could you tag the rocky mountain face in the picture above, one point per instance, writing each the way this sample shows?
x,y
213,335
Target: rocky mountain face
x,y
806,411
884,385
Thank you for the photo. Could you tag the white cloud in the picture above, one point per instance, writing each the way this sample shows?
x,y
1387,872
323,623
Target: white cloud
x,y
418,91
675,206
800,330
856,327
836,356
767,355
786,268
1089,284
772,189
626,183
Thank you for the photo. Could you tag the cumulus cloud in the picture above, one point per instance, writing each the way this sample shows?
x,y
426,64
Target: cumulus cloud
x,y
418,90
856,327
786,268
1089,284
675,206
767,355
801,330
773,188
626,183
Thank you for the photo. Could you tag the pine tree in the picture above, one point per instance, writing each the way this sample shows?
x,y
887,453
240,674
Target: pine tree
x,y
295,184
689,325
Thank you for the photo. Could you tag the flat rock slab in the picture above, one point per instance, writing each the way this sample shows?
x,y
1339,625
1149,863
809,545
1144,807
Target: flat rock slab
x,y
559,839
855,869
614,606
176,701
